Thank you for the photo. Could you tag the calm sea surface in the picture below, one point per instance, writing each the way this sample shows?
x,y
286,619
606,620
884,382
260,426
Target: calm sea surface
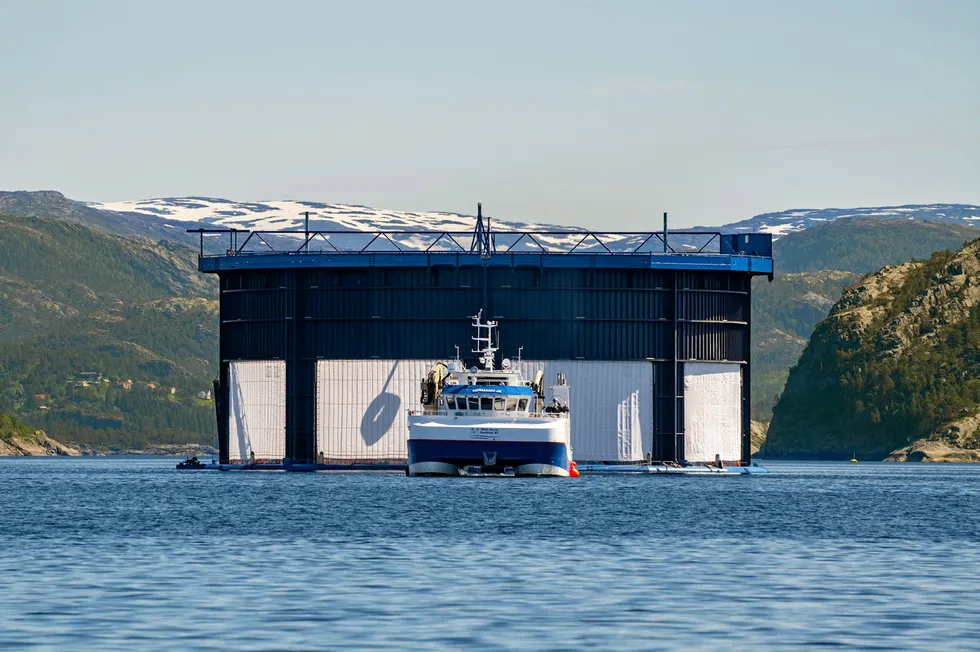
x,y
116,553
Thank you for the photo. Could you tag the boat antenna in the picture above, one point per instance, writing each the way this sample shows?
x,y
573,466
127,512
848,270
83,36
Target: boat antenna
x,y
484,343
519,349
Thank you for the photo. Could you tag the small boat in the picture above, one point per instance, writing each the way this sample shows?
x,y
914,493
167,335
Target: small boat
x,y
489,421
854,458
191,463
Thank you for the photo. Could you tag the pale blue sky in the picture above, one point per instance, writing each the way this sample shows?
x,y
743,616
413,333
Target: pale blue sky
x,y
599,114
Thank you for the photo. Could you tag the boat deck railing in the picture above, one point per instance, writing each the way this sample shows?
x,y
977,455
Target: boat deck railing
x,y
485,413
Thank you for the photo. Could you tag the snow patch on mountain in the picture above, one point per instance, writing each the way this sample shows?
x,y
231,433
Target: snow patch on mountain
x,y
798,219
210,212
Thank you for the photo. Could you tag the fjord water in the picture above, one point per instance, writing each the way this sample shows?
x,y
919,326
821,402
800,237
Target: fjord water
x,y
108,553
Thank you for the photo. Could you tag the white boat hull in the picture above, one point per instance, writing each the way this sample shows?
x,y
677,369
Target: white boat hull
x,y
536,446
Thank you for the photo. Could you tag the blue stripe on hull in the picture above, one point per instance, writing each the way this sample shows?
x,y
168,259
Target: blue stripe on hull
x,y
467,453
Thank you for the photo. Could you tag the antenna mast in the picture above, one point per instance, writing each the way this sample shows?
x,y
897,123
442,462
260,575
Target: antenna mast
x,y
484,342
482,238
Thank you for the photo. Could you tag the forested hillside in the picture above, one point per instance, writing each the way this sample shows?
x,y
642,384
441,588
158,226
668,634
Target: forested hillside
x,y
105,340
813,267
784,314
897,361
867,244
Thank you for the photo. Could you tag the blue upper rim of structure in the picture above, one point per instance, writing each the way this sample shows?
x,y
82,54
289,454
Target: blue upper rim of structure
x,y
706,262
682,250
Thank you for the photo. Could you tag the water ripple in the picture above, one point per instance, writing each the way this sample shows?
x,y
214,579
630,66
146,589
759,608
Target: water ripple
x,y
107,553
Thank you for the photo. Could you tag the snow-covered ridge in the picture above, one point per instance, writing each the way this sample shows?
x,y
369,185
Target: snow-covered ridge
x,y
280,215
209,212
791,221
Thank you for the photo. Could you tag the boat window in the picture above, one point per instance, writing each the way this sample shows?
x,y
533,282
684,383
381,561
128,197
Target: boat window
x,y
522,405
511,404
458,403
486,403
474,403
498,403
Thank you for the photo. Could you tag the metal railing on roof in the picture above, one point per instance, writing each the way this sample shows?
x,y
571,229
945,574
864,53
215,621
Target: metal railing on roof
x,y
291,242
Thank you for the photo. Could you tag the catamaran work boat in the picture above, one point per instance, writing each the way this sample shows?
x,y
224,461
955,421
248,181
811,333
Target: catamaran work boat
x,y
489,420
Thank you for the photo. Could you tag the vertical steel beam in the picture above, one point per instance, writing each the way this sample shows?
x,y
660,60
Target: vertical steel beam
x,y
746,332
675,381
292,369
221,397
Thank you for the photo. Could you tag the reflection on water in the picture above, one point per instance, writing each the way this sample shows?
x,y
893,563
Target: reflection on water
x,y
98,552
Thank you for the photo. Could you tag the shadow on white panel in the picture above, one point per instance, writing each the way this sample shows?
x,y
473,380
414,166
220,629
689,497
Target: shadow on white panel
x,y
362,407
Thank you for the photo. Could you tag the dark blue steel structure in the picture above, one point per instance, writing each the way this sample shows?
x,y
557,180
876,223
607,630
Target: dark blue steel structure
x,y
576,295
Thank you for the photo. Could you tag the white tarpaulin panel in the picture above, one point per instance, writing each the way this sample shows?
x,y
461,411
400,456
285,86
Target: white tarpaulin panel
x,y
712,411
256,410
611,406
362,407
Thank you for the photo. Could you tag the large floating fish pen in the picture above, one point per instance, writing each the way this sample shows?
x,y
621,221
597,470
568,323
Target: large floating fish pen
x,y
325,336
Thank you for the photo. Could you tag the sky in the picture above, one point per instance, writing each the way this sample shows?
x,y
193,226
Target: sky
x,y
600,114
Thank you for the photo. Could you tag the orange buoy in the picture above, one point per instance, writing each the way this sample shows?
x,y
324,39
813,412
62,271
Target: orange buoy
x,y
572,470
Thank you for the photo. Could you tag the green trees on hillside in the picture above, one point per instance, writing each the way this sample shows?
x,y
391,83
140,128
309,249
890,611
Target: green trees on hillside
x,y
865,245
861,394
74,300
813,267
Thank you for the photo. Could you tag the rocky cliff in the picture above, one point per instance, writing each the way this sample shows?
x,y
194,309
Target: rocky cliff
x,y
34,444
893,371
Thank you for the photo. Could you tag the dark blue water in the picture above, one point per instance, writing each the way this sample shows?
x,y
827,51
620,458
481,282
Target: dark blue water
x,y
112,553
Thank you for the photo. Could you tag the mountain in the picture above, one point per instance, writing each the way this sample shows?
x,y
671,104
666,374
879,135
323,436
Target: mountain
x,y
271,215
53,204
784,313
52,269
95,330
209,212
168,217
822,261
792,221
894,370
862,245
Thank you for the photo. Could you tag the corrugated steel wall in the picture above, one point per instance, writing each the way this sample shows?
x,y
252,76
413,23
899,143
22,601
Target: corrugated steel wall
x,y
712,411
257,410
306,315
